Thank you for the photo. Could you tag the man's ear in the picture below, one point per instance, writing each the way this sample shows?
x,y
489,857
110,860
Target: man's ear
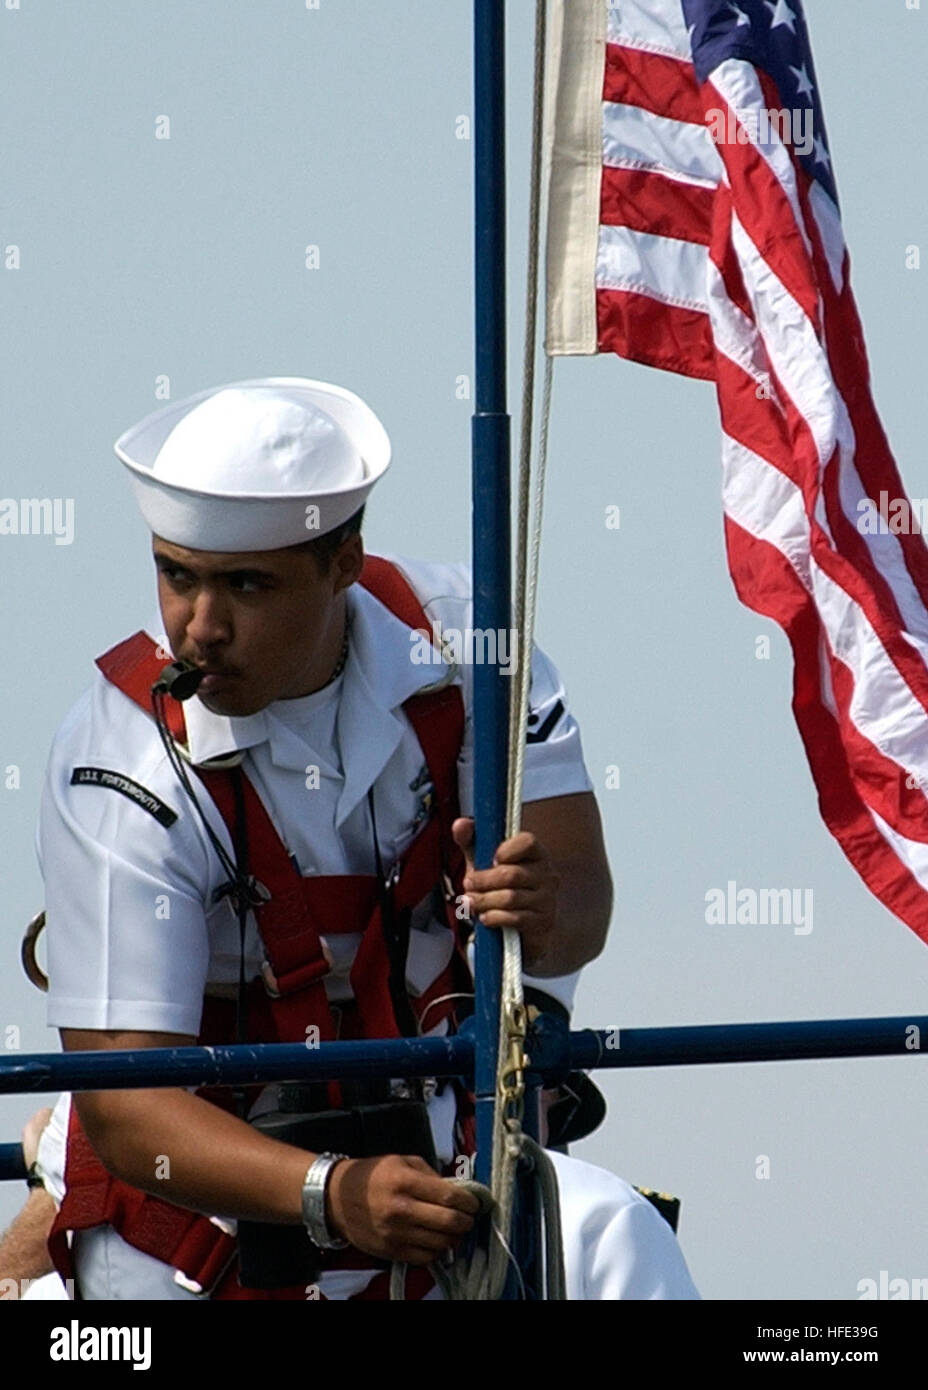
x,y
348,562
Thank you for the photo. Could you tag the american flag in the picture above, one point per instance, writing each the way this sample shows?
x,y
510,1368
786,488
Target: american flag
x,y
693,224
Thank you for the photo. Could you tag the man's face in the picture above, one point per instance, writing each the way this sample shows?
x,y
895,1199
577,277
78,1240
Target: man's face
x,y
265,625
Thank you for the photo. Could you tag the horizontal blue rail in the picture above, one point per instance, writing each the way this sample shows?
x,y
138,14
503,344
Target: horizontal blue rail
x,y
553,1053
243,1064
703,1044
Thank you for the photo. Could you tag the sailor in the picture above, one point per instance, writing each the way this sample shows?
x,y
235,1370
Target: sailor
x,y
285,856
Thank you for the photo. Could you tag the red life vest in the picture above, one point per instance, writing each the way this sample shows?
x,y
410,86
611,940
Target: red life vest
x,y
290,923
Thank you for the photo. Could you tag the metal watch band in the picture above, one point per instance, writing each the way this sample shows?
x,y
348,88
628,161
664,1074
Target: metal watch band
x,y
314,1186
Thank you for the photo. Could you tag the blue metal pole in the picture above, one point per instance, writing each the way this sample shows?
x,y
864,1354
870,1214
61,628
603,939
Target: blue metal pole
x,y
491,525
231,1065
750,1042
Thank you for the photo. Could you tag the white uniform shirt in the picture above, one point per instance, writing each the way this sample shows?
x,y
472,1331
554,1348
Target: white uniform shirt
x,y
134,936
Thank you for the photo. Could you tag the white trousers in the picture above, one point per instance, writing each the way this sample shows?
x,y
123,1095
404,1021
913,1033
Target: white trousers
x,y
616,1246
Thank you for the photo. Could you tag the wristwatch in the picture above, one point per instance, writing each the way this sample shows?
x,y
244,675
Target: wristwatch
x,y
34,1176
314,1189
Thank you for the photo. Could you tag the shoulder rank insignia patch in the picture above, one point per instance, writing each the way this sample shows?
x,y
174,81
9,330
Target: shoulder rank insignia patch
x,y
117,782
539,735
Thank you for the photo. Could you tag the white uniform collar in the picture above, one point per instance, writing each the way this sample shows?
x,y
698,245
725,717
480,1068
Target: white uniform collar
x,y
379,676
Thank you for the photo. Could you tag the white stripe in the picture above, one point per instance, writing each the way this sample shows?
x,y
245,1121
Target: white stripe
x,y
573,165
652,25
634,138
736,336
669,270
795,351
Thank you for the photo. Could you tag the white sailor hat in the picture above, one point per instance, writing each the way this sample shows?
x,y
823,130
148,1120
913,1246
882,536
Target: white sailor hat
x,y
255,465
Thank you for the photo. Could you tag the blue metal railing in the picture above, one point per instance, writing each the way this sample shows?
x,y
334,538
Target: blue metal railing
x,y
553,1051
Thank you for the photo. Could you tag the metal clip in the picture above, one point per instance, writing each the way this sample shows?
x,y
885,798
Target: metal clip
x,y
512,1079
257,893
253,890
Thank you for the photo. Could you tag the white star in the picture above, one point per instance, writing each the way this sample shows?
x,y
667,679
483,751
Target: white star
x,y
803,81
781,14
742,17
821,153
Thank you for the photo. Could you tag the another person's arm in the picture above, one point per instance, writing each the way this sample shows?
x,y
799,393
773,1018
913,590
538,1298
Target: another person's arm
x,y
23,1246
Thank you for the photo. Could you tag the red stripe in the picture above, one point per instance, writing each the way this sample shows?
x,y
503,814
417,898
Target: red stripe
x,y
652,203
783,598
657,335
758,424
664,86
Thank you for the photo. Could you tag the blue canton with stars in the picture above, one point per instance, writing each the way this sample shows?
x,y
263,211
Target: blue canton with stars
x,y
771,35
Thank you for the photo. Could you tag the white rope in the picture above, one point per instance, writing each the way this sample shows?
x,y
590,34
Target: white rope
x,y
508,1139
